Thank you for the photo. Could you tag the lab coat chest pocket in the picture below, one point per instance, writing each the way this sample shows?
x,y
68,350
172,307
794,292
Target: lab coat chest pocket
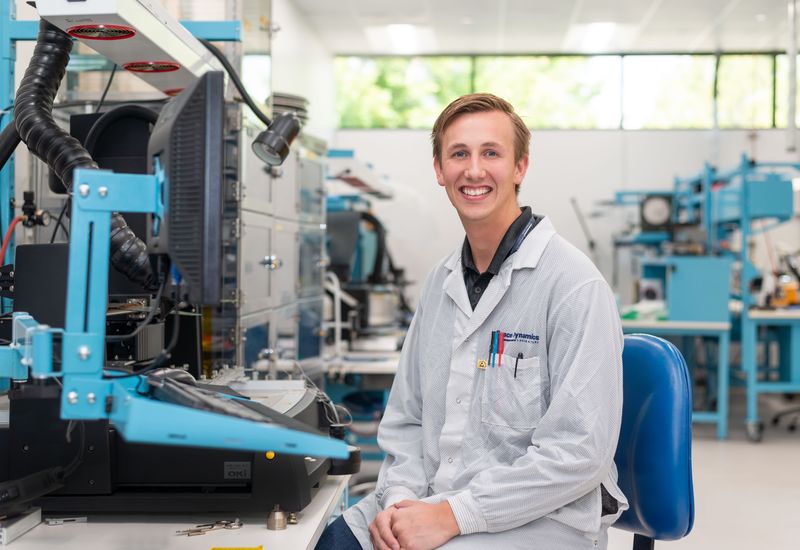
x,y
514,401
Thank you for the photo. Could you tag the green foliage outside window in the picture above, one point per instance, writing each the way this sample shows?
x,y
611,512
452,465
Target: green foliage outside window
x,y
744,84
555,92
569,92
668,91
398,92
782,92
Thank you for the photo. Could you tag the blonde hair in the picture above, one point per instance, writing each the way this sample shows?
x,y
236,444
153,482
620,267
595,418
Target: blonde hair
x,y
480,103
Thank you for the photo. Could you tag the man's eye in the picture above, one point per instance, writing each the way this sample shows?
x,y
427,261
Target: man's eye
x,y
459,154
491,153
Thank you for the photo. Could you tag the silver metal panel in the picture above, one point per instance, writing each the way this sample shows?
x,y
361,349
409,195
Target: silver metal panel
x,y
312,262
285,269
309,339
311,177
257,336
284,327
257,181
285,196
256,239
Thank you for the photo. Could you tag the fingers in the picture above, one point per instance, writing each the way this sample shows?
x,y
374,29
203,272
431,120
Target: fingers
x,y
405,503
384,526
380,531
375,538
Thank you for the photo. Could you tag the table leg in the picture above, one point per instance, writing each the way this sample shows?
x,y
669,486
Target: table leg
x,y
723,374
753,426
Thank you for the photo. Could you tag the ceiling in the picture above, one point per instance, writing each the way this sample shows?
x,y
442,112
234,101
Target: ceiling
x,y
547,26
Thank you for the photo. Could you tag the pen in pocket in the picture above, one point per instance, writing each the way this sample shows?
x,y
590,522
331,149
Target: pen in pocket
x,y
501,337
516,363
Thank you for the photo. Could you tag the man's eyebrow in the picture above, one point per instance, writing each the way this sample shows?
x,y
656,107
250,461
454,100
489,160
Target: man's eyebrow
x,y
461,145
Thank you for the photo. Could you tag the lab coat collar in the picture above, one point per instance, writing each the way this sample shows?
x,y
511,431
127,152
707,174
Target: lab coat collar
x,y
527,256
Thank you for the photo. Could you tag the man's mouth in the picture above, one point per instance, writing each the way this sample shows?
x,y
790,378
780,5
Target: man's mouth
x,y
475,191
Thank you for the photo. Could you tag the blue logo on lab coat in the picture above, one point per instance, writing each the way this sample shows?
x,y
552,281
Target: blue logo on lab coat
x,y
521,337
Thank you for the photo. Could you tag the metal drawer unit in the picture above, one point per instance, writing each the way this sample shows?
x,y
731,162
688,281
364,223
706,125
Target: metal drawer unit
x,y
285,196
257,183
256,262
284,263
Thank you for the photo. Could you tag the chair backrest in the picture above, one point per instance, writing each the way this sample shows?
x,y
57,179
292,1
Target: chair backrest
x,y
654,454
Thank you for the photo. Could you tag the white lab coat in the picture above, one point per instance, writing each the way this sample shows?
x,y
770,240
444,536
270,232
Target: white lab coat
x,y
507,450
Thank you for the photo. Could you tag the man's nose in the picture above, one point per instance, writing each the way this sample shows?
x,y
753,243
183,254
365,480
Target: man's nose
x,y
475,171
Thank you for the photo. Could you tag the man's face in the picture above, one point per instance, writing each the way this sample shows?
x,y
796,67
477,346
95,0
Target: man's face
x,y
477,168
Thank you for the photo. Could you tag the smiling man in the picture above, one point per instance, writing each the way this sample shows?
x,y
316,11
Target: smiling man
x,y
503,419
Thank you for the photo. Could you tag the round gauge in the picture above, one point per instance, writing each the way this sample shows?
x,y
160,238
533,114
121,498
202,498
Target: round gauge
x,y
656,210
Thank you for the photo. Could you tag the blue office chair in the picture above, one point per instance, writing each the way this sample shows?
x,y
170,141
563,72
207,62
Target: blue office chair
x,y
654,454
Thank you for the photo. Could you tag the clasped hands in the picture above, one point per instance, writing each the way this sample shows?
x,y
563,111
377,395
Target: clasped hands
x,y
413,525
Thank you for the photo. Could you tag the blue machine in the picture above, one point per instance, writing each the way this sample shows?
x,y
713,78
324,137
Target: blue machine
x,y
75,356
90,394
691,229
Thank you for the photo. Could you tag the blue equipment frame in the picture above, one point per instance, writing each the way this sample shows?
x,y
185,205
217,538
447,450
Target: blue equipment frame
x,y
723,202
87,393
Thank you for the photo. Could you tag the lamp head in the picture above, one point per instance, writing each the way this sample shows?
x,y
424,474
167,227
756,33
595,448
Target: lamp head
x,y
272,145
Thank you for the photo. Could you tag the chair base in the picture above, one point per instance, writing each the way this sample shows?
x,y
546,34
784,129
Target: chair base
x,y
640,542
794,412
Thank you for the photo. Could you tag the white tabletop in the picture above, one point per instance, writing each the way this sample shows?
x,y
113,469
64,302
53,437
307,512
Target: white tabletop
x,y
158,531
365,362
774,313
675,325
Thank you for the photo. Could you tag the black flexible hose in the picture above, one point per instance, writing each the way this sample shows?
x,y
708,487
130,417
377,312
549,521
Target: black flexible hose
x,y
33,116
33,106
9,139
126,248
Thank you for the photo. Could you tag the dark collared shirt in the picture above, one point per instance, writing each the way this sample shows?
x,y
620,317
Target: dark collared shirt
x,y
476,282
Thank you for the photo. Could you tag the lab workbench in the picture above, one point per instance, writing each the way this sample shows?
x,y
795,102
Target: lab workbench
x,y
718,329
158,531
788,380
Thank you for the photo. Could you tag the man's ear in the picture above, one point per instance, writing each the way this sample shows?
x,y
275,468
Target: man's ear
x,y
520,169
437,167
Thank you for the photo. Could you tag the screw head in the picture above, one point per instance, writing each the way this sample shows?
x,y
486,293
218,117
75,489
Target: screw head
x,y
84,352
72,397
91,398
103,191
83,189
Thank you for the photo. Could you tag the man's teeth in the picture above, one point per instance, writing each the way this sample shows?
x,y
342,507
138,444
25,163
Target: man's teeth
x,y
475,191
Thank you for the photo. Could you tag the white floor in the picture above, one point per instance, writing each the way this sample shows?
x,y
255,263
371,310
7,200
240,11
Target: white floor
x,y
747,495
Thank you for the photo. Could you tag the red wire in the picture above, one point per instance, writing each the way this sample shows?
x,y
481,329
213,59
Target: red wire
x,y
7,238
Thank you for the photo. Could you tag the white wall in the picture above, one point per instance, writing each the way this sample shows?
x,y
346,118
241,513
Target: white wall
x,y
301,65
588,165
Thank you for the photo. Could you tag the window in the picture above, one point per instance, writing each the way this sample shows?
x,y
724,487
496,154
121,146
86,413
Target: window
x,y
398,92
631,91
668,91
782,91
555,92
744,91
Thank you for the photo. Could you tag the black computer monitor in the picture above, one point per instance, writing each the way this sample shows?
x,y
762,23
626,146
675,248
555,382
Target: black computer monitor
x,y
187,143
